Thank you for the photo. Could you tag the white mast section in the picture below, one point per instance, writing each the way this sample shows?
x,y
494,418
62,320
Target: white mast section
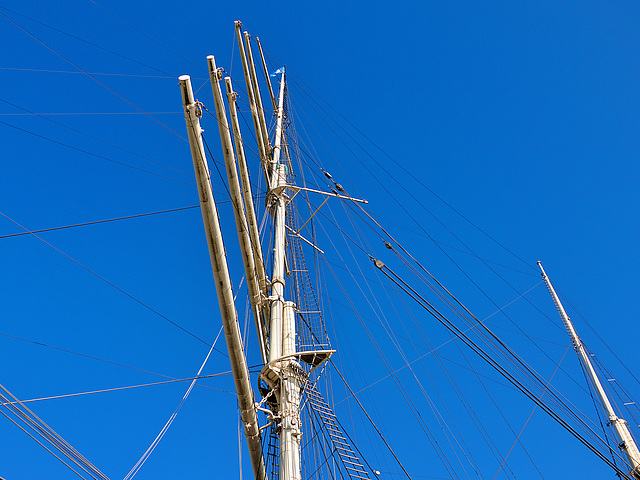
x,y
626,442
278,177
283,325
246,402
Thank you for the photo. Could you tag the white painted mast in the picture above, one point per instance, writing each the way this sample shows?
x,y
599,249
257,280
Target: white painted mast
x,y
283,325
625,441
246,402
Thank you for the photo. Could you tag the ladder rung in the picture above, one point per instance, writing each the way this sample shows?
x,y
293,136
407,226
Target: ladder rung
x,y
342,448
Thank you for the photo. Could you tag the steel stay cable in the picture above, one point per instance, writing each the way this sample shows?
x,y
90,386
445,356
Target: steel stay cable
x,y
517,440
87,42
113,285
46,115
421,422
115,389
30,418
401,166
369,418
94,154
136,468
523,365
453,440
473,324
475,418
499,345
483,326
89,75
435,279
39,442
477,422
96,222
532,375
465,339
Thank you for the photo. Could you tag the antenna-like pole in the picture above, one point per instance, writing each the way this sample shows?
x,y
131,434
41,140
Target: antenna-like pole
x,y
626,442
246,402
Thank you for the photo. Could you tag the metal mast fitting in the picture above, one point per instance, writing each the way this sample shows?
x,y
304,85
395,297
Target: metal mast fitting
x,y
626,442
246,403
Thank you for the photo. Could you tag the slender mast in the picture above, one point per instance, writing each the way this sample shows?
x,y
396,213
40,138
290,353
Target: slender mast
x,y
625,441
239,368
283,325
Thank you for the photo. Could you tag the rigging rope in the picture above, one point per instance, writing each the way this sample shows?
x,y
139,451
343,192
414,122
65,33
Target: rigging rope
x,y
492,362
140,302
136,468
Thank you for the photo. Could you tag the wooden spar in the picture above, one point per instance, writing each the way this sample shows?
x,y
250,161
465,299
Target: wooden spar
x,y
266,74
248,197
246,248
246,402
264,154
256,90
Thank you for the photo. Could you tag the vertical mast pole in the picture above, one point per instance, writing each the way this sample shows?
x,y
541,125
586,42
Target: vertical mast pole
x,y
277,171
626,442
283,328
277,275
246,403
242,226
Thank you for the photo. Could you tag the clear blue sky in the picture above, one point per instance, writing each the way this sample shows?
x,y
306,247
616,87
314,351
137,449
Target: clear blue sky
x,y
523,116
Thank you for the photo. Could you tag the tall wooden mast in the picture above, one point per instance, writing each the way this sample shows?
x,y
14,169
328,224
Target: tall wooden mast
x,y
625,441
274,315
237,358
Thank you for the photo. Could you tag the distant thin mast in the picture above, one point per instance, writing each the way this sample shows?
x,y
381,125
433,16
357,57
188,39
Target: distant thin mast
x,y
625,441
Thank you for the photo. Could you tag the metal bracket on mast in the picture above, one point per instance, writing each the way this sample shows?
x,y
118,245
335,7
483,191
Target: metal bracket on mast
x,y
278,192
